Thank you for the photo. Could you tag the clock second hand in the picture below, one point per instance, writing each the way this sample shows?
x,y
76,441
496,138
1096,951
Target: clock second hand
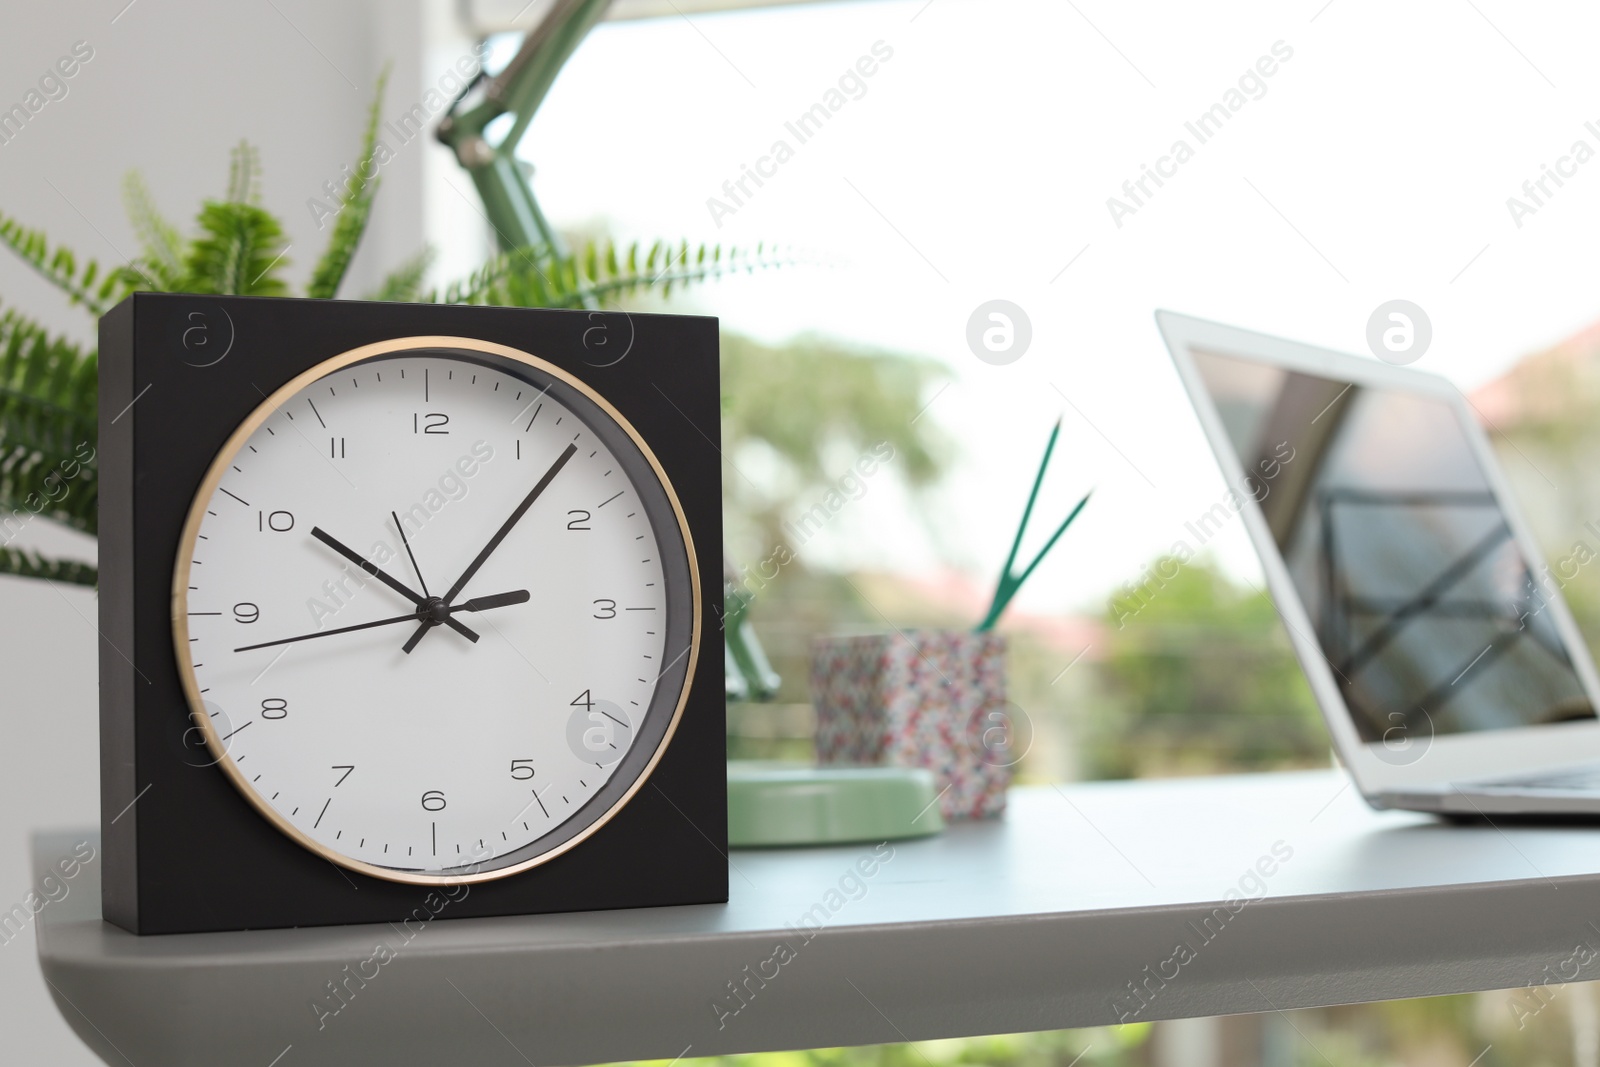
x,y
401,530
481,603
355,557
494,542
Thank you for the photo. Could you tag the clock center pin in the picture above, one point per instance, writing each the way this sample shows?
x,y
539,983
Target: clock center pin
x,y
433,610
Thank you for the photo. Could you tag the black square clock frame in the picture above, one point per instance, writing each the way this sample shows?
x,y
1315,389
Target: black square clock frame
x,y
183,851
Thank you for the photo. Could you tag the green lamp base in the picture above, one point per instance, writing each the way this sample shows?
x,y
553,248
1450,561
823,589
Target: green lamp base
x,y
773,804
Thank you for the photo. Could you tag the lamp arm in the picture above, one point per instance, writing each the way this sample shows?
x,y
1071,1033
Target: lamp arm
x,y
519,224
518,90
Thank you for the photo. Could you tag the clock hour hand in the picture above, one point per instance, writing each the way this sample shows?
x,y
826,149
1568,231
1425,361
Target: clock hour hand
x,y
498,600
499,535
382,576
482,603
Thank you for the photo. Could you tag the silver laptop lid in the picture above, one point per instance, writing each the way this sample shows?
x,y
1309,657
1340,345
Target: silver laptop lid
x,y
1428,621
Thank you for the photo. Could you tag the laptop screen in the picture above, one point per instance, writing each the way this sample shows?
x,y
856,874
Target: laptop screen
x,y
1433,620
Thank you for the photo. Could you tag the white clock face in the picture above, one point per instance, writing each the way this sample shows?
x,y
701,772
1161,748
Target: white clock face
x,y
437,613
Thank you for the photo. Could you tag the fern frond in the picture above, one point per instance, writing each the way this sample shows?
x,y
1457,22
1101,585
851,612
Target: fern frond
x,y
405,282
676,271
48,398
598,273
24,564
472,288
239,252
244,174
355,208
87,285
162,259
54,369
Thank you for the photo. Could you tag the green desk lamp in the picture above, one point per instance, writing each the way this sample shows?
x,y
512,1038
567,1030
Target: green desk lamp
x,y
768,803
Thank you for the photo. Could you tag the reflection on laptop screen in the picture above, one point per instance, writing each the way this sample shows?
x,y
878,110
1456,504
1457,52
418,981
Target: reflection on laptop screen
x,y
1423,602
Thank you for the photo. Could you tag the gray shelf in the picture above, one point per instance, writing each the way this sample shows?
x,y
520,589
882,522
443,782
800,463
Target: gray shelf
x,y
1037,921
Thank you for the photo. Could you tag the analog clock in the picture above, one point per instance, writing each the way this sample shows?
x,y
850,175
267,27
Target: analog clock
x,y
402,612
435,609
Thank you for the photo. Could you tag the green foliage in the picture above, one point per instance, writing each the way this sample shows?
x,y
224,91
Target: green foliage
x,y
796,417
355,208
404,283
811,398
241,245
48,398
87,286
238,250
23,564
598,272
1202,679
49,385
162,247
1117,1046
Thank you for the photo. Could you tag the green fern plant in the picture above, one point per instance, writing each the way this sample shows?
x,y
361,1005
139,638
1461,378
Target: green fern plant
x,y
49,383
598,272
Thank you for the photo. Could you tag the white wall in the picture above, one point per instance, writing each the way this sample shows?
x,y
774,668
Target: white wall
x,y
172,85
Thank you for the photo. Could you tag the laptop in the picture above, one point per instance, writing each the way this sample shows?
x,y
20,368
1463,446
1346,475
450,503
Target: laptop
x,y
1433,634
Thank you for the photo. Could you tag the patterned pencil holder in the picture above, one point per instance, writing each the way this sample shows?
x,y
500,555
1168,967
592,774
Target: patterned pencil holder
x,y
919,698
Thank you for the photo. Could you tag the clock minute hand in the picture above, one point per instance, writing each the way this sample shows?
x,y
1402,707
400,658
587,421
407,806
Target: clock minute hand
x,y
355,557
511,520
482,603
499,535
